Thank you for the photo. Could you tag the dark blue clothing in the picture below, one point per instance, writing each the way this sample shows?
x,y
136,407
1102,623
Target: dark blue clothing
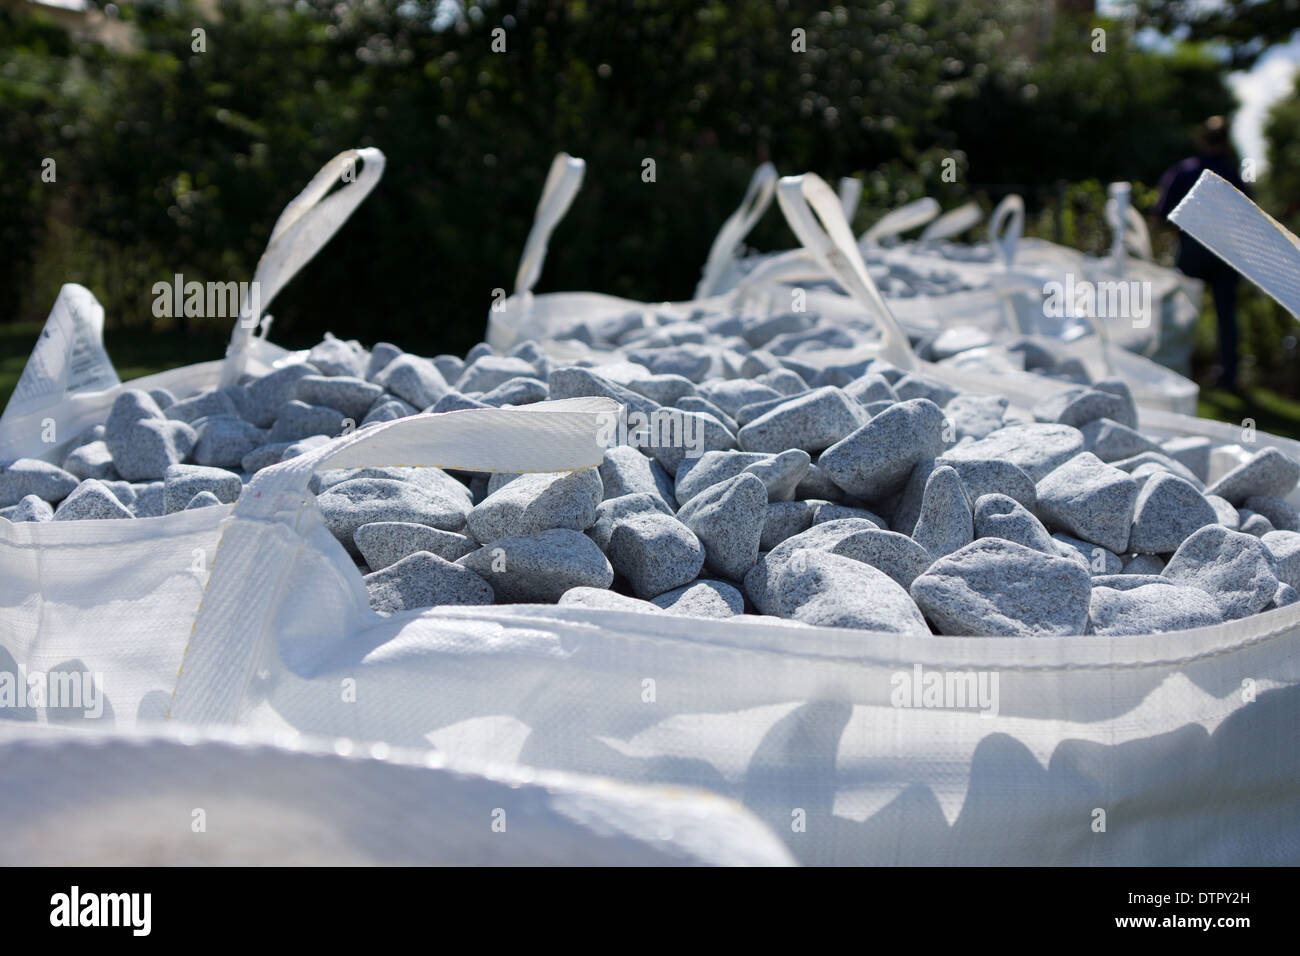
x,y
1195,260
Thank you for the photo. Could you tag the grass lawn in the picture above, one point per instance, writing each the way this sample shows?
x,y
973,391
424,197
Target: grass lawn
x,y
137,352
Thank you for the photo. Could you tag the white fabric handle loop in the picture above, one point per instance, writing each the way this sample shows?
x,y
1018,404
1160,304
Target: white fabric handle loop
x,y
1137,237
903,219
1006,226
1116,215
562,184
1223,219
758,196
953,223
235,618
547,436
302,230
831,244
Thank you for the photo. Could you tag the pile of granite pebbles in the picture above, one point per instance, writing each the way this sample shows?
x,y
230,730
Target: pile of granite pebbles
x,y
855,495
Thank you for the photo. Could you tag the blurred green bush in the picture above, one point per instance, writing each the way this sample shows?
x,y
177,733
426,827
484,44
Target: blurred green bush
x,y
172,160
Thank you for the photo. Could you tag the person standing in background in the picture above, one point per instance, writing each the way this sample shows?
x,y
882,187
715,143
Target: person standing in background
x,y
1213,152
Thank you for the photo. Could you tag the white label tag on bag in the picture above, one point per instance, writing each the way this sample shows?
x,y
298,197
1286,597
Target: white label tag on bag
x,y
69,356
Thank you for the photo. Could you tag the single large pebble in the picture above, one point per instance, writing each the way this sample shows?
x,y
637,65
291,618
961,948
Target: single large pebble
x,y
703,598
875,460
828,590
91,501
1090,500
817,484
433,481
1281,514
913,385
1255,524
626,471
1269,474
784,519
162,396
486,373
148,498
380,355
533,354
1095,559
605,600
1285,596
664,389
575,382
694,475
759,362
1000,516
451,366
336,357
383,543
31,508
351,396
945,523
727,518
693,403
220,401
762,331
92,459
781,475
1151,609
183,482
350,504
1036,449
298,420
1143,564
997,587
1168,510
812,421
1192,451
897,555
146,449
1145,462
654,553
824,511
131,406
841,375
424,579
263,456
1235,569
1285,548
1224,513
517,391
731,395
823,537
1111,441
535,502
414,380
870,388
784,380
224,441
1078,406
310,443
265,396
676,436
613,510
1119,388
387,410
976,416
540,567
31,476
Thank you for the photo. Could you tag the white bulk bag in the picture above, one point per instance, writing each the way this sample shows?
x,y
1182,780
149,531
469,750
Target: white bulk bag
x,y
179,797
1178,748
113,603
69,383
1175,748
